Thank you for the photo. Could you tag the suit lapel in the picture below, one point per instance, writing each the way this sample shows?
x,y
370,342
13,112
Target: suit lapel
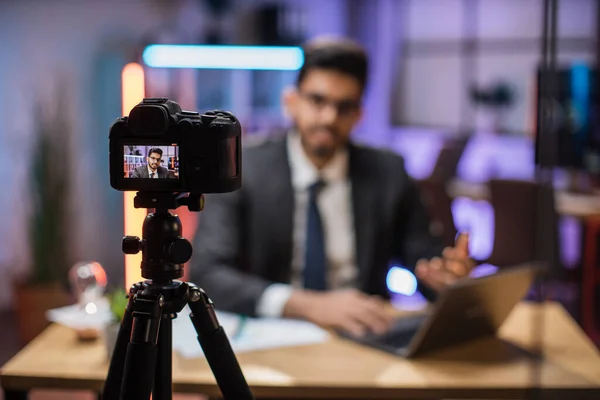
x,y
363,192
279,203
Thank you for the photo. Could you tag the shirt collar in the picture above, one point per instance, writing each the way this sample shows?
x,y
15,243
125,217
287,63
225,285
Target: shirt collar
x,y
304,173
150,171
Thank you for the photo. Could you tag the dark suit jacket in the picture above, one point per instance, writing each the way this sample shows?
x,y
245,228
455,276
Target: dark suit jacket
x,y
244,238
142,172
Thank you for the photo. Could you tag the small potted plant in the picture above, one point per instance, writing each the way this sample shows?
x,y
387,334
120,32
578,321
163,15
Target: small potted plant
x,y
117,299
44,285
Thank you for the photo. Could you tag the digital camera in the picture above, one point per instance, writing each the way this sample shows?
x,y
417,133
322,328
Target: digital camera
x,y
161,148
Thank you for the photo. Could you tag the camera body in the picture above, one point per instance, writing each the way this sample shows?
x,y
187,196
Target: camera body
x,y
161,148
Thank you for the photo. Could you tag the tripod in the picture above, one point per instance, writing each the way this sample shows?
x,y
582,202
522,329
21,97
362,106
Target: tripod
x,y
141,363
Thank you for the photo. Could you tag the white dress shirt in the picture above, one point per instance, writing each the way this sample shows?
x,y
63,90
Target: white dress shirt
x,y
335,206
150,172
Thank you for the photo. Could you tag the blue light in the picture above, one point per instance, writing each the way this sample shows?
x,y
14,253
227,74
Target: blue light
x,y
401,281
580,102
277,58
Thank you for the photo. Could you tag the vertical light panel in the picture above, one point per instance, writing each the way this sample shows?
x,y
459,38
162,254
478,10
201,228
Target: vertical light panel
x,y
133,88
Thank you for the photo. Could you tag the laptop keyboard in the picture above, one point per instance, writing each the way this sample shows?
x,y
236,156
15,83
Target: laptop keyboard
x,y
402,332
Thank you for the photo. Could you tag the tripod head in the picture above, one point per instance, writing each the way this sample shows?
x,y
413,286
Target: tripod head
x,y
164,250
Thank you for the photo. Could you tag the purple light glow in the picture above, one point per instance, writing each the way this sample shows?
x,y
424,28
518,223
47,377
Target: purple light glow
x,y
496,156
570,241
477,218
486,156
483,270
414,302
419,147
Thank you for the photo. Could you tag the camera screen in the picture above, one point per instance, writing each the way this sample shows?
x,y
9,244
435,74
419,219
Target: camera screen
x,y
151,162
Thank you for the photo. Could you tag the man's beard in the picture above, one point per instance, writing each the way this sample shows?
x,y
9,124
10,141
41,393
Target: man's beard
x,y
323,152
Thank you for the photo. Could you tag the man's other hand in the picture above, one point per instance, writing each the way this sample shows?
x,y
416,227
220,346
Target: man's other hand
x,y
455,264
347,310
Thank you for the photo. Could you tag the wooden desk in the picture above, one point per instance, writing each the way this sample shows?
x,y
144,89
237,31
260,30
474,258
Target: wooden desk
x,y
339,369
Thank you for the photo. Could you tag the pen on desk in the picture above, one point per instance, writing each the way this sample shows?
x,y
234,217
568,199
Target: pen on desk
x,y
240,327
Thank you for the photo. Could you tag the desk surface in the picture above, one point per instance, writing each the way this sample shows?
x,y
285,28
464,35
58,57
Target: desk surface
x,y
340,369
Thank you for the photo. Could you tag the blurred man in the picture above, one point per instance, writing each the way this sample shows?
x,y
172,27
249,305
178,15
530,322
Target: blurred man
x,y
318,218
153,169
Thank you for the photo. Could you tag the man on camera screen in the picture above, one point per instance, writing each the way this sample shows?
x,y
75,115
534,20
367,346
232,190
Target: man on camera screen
x,y
152,170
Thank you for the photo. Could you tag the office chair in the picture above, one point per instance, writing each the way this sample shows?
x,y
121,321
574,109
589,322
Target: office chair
x,y
525,228
525,224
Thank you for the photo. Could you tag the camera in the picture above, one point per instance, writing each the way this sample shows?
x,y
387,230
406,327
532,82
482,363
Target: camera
x,y
159,147
170,157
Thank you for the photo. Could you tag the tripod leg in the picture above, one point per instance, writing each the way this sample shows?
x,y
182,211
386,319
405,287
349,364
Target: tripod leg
x,y
217,349
140,360
163,378
112,385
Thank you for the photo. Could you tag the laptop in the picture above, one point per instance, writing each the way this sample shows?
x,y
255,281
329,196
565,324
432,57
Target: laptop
x,y
470,309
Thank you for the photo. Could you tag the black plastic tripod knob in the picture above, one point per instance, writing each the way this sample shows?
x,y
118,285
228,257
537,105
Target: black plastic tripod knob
x,y
180,250
131,245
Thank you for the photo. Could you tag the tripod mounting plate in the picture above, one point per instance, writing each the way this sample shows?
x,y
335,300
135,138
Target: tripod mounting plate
x,y
175,295
169,201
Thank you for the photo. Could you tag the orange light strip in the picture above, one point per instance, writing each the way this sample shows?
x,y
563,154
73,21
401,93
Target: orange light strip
x,y
133,91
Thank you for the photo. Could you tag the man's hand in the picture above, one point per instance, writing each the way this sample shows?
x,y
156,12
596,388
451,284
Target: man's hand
x,y
347,310
438,273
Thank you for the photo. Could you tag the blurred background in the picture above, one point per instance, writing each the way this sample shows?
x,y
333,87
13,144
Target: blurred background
x,y
453,88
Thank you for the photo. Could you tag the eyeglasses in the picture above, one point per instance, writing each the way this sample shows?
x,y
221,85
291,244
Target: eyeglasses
x,y
344,108
155,159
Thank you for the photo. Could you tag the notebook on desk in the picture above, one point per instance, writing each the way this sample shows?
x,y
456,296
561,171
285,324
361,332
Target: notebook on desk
x,y
468,310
